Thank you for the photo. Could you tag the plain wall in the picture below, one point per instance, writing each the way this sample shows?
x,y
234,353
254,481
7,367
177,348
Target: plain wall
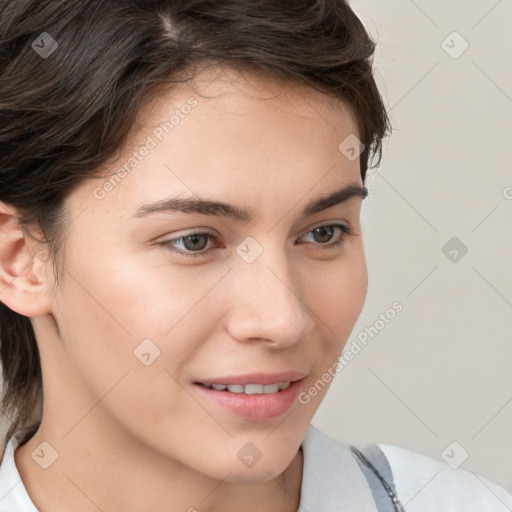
x,y
439,371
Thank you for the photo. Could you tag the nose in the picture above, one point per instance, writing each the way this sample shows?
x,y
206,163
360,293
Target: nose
x,y
269,302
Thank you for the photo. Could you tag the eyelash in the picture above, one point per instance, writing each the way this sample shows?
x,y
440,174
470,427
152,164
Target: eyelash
x,y
346,231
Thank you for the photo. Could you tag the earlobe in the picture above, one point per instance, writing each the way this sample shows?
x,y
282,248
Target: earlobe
x,y
23,278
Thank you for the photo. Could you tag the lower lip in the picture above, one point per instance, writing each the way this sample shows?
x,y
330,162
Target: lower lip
x,y
261,406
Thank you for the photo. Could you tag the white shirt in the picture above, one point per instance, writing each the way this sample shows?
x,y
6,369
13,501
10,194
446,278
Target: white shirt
x,y
333,482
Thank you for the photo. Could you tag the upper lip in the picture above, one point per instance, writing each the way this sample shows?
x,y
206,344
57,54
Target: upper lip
x,y
256,378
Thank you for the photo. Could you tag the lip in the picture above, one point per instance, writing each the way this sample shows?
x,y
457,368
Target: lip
x,y
257,407
256,378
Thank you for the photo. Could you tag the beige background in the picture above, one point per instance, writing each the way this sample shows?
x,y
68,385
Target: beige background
x,y
440,370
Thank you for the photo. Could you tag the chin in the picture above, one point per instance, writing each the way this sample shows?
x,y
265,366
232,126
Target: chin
x,y
252,465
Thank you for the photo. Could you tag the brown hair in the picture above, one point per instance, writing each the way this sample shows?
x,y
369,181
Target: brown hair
x,y
66,112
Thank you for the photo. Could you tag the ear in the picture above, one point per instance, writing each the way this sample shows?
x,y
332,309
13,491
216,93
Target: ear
x,y
23,269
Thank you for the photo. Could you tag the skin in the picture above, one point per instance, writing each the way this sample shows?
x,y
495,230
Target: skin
x,y
132,437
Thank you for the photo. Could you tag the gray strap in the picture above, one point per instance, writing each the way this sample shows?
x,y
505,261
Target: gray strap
x,y
375,467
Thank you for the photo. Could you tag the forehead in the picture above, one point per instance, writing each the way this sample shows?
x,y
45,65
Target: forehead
x,y
234,136
243,91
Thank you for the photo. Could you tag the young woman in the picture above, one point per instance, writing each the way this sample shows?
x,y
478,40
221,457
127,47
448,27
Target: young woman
x,y
181,259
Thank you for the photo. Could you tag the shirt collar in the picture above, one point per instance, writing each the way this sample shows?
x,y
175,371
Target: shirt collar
x,y
331,478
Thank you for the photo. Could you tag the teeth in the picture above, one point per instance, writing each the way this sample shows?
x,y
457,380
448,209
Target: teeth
x,y
251,389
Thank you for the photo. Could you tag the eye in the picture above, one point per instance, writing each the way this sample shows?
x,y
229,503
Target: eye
x,y
326,231
194,243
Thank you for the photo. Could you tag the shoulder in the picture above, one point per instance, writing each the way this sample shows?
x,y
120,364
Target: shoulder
x,y
421,483
424,483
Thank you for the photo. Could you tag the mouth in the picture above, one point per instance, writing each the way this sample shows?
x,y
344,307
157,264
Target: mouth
x,y
253,383
248,389
251,401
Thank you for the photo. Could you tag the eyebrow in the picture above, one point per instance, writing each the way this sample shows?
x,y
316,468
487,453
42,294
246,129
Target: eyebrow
x,y
219,209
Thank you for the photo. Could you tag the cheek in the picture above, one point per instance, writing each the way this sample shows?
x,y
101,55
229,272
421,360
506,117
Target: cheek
x,y
133,297
128,337
337,304
340,293
112,315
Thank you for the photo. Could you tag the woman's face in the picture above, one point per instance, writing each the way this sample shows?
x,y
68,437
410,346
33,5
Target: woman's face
x,y
142,314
